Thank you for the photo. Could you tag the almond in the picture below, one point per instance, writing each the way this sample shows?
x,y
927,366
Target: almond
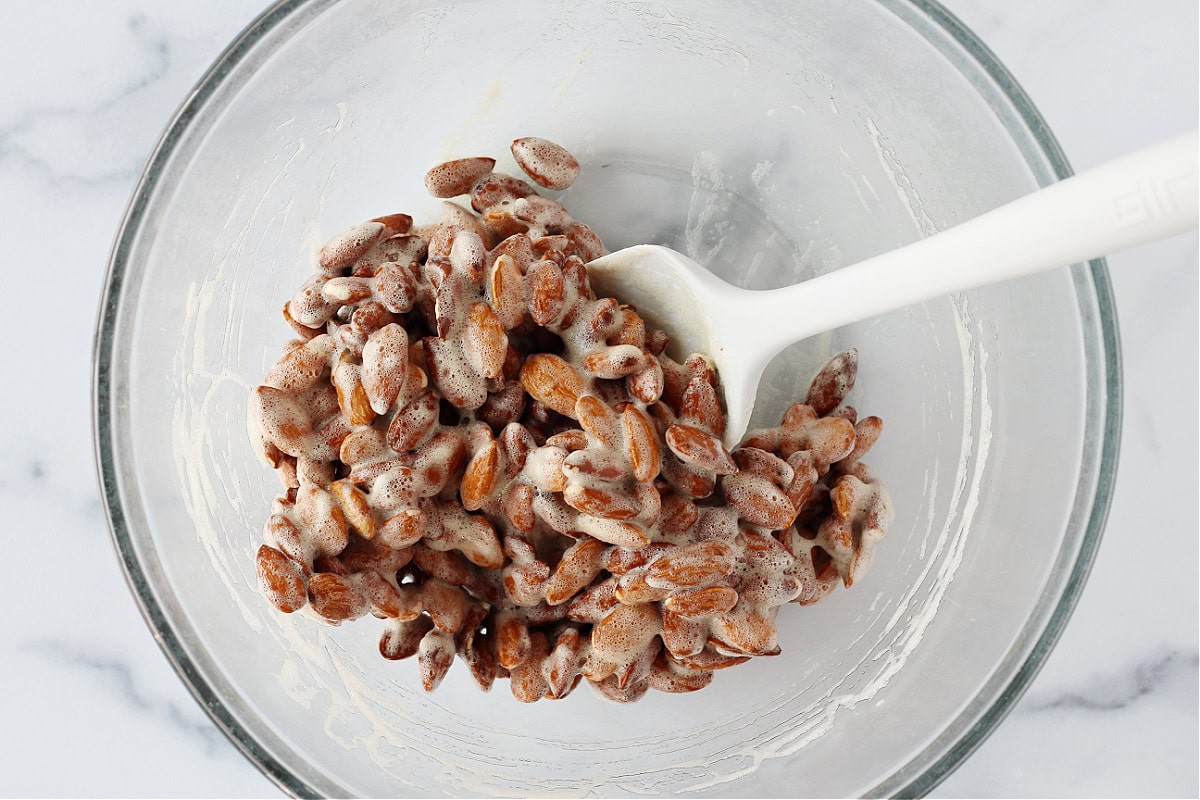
x,y
632,589
700,603
344,249
402,529
692,565
395,287
496,189
352,397
402,639
759,501
547,163
833,382
355,507
485,342
747,633
281,580
552,381
612,363
385,366
619,560
593,463
612,531
579,565
598,419
446,605
592,604
700,450
682,637
284,421
563,664
641,444
669,676
769,465
600,502
701,407
507,289
435,654
545,291
518,506
626,630
413,423
452,178
481,477
455,379
526,680
512,641
866,432
336,598
647,385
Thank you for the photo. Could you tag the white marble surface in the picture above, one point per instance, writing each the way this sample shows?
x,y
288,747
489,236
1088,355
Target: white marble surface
x,y
93,708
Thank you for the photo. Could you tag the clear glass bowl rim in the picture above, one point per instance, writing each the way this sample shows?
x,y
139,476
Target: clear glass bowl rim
x,y
1107,427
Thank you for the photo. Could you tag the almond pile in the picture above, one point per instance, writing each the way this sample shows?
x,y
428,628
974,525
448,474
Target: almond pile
x,y
504,467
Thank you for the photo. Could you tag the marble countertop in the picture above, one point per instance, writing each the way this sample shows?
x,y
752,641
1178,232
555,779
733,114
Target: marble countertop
x,y
95,709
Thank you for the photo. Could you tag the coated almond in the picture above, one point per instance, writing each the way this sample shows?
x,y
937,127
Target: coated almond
x,y
485,342
355,507
601,502
552,381
759,501
548,164
701,450
641,444
481,477
452,178
700,603
833,382
692,565
281,580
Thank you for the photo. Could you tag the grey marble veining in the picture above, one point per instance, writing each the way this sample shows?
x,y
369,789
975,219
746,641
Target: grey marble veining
x,y
1117,691
88,89
114,674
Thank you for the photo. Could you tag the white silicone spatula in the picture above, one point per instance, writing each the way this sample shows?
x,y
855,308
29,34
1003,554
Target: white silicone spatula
x,y
1148,195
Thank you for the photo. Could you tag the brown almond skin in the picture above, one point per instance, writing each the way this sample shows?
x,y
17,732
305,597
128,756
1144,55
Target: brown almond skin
x,y
452,178
548,164
691,565
481,477
601,502
552,381
626,629
833,382
641,444
336,598
700,603
434,656
759,501
699,449
281,580
579,566
402,640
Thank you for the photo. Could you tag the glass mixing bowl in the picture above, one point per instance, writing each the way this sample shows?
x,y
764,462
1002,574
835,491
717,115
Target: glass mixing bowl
x,y
771,141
